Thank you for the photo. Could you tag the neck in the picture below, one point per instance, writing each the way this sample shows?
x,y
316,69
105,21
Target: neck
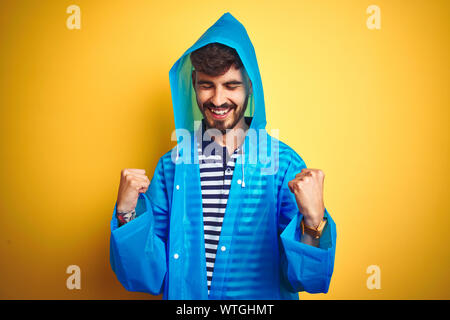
x,y
235,137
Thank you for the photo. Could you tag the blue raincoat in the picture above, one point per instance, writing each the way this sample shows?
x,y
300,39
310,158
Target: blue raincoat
x,y
162,250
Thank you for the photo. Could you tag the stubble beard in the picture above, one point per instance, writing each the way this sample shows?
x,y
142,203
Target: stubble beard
x,y
219,125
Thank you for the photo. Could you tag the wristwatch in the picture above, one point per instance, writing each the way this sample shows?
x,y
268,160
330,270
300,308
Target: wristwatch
x,y
313,232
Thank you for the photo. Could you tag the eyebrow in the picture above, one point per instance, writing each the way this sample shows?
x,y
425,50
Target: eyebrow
x,y
225,83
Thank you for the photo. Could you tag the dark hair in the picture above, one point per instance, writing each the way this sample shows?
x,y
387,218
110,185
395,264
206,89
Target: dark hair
x,y
215,59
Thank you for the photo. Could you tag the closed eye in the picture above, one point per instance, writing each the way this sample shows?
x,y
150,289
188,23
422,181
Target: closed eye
x,y
210,87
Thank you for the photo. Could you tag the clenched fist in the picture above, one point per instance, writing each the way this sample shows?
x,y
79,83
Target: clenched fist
x,y
132,182
307,186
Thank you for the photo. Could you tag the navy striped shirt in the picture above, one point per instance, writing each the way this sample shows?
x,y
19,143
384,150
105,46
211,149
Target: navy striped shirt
x,y
216,172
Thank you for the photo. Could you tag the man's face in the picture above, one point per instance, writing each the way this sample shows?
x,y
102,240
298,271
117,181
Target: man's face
x,y
222,99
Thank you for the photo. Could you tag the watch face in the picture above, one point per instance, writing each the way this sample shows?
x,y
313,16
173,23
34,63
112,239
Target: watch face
x,y
312,233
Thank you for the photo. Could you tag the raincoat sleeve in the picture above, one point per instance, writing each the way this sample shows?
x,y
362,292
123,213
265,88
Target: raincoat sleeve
x,y
304,267
138,248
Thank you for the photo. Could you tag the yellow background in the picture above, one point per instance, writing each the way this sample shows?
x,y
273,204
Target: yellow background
x,y
368,107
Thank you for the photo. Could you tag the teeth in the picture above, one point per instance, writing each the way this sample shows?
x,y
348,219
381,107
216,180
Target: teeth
x,y
219,112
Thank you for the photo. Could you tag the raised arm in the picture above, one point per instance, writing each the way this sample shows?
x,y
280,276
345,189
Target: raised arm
x,y
138,246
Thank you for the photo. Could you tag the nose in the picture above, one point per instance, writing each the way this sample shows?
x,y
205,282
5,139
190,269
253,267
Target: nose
x,y
219,97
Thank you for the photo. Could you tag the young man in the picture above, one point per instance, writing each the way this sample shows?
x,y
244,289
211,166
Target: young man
x,y
231,212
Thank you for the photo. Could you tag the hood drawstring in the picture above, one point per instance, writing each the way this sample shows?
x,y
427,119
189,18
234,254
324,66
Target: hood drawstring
x,y
243,177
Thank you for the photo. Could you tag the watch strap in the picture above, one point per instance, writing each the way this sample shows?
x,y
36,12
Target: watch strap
x,y
314,232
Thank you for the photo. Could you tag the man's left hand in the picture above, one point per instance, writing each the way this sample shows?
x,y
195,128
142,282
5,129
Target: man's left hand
x,y
307,186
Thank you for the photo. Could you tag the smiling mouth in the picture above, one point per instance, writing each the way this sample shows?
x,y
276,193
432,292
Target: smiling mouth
x,y
220,113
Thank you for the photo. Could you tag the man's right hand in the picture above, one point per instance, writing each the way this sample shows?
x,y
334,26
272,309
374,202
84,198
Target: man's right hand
x,y
132,182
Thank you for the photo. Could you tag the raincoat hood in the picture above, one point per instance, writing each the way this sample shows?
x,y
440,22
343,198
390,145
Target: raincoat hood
x,y
230,32
261,256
